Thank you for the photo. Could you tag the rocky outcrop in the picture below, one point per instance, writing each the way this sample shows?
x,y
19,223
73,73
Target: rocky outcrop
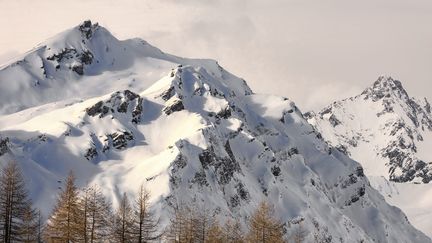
x,y
118,140
4,148
173,105
126,102
87,28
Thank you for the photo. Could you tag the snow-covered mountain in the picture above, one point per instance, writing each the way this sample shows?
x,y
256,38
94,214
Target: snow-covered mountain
x,y
384,128
390,134
122,113
85,61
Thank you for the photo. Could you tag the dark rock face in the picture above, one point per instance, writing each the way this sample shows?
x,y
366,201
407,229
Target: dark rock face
x,y
117,140
97,109
137,111
329,110
361,191
4,147
276,171
225,113
79,69
179,163
168,94
67,53
334,121
292,151
383,88
87,28
119,102
175,106
224,166
91,152
343,149
81,58
86,57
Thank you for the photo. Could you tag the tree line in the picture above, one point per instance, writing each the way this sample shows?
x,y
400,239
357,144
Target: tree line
x,y
85,215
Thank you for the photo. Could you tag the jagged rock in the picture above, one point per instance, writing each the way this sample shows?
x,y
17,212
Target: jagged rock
x,y
119,102
242,192
4,148
225,113
67,53
356,197
200,178
79,69
81,59
334,121
86,57
168,94
87,28
276,171
137,111
120,139
91,152
173,106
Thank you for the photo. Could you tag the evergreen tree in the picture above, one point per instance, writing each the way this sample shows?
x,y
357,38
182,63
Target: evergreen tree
x,y
146,224
64,223
263,227
123,225
15,207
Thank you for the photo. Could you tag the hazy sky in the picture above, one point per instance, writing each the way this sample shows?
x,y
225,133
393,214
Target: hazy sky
x,y
310,51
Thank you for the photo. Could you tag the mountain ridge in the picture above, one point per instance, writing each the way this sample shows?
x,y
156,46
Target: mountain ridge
x,y
384,108
58,68
390,134
200,136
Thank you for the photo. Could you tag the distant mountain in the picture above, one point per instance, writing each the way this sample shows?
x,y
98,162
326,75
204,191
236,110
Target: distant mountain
x,y
384,128
198,135
390,134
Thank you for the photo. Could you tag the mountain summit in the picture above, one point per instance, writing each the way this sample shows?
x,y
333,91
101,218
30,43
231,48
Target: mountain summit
x,y
196,134
383,119
390,134
86,55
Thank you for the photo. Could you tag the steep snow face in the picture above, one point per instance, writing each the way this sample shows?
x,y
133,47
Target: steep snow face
x,y
414,199
197,136
383,128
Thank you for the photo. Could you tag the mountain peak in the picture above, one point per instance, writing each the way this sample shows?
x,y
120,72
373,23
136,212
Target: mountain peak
x,y
386,87
87,28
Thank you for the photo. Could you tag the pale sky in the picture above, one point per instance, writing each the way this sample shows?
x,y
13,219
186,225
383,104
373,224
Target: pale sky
x,y
312,52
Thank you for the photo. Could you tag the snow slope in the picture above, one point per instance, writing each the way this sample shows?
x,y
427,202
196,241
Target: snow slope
x,y
390,134
414,199
85,61
197,135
